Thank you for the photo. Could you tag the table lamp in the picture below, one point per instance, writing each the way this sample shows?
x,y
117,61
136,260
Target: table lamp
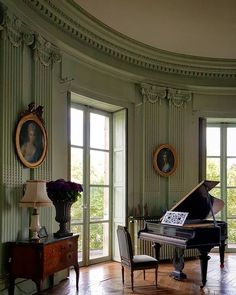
x,y
35,196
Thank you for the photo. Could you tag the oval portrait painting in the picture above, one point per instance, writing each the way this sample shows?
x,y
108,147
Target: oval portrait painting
x,y
165,160
31,141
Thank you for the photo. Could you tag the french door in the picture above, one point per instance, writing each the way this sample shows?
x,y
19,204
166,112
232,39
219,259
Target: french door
x,y
221,166
91,166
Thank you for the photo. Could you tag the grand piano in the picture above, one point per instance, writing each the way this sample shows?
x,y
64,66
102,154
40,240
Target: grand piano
x,y
196,231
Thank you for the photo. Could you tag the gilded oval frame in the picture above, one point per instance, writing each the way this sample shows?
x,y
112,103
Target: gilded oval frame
x,y
41,145
165,160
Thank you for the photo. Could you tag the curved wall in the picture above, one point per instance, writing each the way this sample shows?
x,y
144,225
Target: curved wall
x,y
48,50
79,34
197,28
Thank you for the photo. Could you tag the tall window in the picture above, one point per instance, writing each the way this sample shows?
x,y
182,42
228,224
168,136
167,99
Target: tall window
x,y
221,166
91,166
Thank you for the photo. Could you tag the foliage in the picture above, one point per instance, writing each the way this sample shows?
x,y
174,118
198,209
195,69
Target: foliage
x,y
96,213
213,169
96,236
96,206
66,191
213,173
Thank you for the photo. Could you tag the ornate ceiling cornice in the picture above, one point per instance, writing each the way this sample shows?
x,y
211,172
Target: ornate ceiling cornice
x,y
70,19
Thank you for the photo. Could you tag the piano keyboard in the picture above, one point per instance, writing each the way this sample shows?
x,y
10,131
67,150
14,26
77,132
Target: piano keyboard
x,y
181,242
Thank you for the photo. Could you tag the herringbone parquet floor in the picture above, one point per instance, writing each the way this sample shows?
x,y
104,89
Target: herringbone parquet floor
x,y
105,278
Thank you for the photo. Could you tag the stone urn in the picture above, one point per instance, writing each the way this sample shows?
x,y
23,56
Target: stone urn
x,y
63,215
63,194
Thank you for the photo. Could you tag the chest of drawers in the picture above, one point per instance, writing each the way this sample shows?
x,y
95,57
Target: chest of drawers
x,y
41,259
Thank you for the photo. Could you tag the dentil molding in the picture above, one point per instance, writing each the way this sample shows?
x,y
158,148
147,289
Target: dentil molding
x,y
72,20
77,30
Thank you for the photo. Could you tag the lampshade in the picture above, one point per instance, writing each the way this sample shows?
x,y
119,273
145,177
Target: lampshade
x,y
35,195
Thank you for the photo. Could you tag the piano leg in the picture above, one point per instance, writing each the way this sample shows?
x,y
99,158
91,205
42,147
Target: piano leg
x,y
157,248
178,262
222,253
204,257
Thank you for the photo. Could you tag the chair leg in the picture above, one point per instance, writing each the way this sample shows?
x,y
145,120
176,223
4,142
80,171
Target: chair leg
x,y
132,280
156,276
144,274
122,271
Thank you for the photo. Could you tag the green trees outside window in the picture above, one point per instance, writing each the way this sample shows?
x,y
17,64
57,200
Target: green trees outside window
x,y
221,166
90,166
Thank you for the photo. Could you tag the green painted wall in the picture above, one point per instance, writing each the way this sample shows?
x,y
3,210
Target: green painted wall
x,y
43,56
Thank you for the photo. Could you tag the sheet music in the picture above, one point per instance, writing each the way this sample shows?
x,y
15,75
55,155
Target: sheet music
x,y
174,218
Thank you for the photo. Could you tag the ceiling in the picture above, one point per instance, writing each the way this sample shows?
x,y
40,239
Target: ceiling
x,y
205,28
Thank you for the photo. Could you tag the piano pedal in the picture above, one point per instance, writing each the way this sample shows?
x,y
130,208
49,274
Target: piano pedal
x,y
178,275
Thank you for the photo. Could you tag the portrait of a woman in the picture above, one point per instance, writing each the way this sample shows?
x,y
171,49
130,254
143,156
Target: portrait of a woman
x,y
31,137
31,141
165,160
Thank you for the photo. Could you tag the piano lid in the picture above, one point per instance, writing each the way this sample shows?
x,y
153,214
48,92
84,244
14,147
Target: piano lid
x,y
197,201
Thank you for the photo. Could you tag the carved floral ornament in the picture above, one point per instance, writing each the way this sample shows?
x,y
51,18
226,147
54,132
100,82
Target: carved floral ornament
x,y
152,93
178,98
45,52
18,34
155,94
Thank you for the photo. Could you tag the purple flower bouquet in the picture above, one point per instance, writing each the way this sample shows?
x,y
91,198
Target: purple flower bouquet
x,y
66,191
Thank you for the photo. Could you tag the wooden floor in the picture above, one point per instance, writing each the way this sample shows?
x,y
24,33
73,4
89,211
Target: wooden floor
x,y
105,278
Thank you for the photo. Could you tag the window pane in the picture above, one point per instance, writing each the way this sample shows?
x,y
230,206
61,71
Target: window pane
x,y
213,169
216,192
231,231
99,237
99,167
77,210
231,172
231,141
231,202
78,229
99,131
77,165
76,135
213,141
99,203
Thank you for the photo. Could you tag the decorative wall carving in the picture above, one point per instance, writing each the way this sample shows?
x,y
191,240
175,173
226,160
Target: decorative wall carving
x,y
45,52
155,94
152,93
178,98
15,30
19,33
82,28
